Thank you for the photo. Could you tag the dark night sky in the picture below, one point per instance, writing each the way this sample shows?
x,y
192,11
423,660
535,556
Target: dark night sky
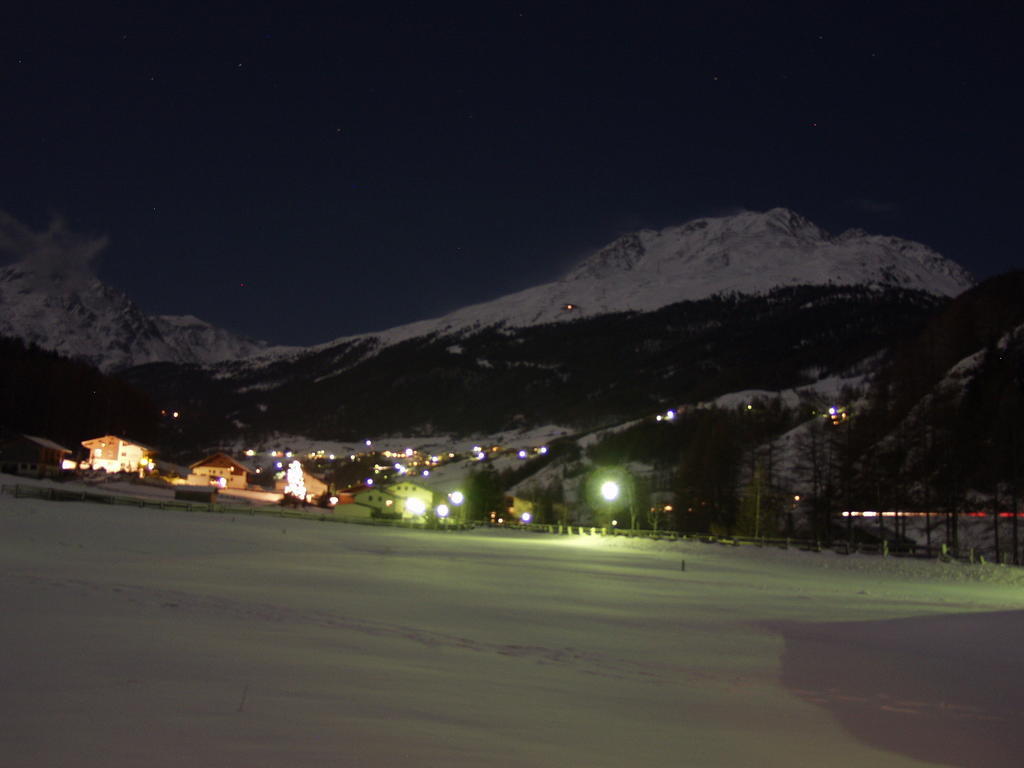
x,y
298,175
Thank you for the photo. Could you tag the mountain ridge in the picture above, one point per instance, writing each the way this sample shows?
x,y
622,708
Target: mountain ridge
x,y
82,318
748,253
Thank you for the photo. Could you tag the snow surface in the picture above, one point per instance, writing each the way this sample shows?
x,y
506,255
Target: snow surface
x,y
162,638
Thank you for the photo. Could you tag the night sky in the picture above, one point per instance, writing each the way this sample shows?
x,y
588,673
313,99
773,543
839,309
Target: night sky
x,y
297,175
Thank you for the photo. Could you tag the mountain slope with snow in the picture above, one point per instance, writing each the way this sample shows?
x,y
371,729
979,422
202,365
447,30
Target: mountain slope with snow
x,y
80,317
748,253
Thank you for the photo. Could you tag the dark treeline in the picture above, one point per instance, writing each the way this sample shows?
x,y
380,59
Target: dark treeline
x,y
44,394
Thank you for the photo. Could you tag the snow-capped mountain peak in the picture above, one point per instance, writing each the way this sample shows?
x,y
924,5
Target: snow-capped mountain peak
x,y
746,253
74,314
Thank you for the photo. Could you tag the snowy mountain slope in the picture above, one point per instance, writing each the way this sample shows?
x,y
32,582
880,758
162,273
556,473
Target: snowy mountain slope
x,y
78,316
748,253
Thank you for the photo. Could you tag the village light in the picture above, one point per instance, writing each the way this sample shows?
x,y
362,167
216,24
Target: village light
x,y
526,517
415,505
522,454
456,497
442,511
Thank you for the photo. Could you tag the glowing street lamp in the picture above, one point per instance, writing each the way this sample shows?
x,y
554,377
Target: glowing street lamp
x,y
416,506
609,490
616,490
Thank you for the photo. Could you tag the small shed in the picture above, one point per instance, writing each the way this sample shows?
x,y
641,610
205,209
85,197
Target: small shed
x,y
206,494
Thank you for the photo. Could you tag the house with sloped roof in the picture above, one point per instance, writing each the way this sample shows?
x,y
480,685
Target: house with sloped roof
x,y
220,470
29,455
118,454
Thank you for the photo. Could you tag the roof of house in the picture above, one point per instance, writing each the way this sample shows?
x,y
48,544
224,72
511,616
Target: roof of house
x,y
47,443
222,460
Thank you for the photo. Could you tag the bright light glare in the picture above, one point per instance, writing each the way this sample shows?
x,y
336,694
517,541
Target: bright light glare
x,y
456,497
442,510
609,490
415,506
526,517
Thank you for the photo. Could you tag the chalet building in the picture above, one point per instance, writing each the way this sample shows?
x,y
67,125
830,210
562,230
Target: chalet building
x,y
220,470
117,454
30,456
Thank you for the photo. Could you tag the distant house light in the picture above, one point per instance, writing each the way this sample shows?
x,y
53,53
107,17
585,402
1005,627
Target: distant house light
x,y
569,307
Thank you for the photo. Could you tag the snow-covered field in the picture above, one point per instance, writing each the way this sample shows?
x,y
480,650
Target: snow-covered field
x,y
141,637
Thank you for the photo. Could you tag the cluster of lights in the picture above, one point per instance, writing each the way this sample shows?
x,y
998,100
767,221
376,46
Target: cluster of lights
x,y
296,481
668,415
836,414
